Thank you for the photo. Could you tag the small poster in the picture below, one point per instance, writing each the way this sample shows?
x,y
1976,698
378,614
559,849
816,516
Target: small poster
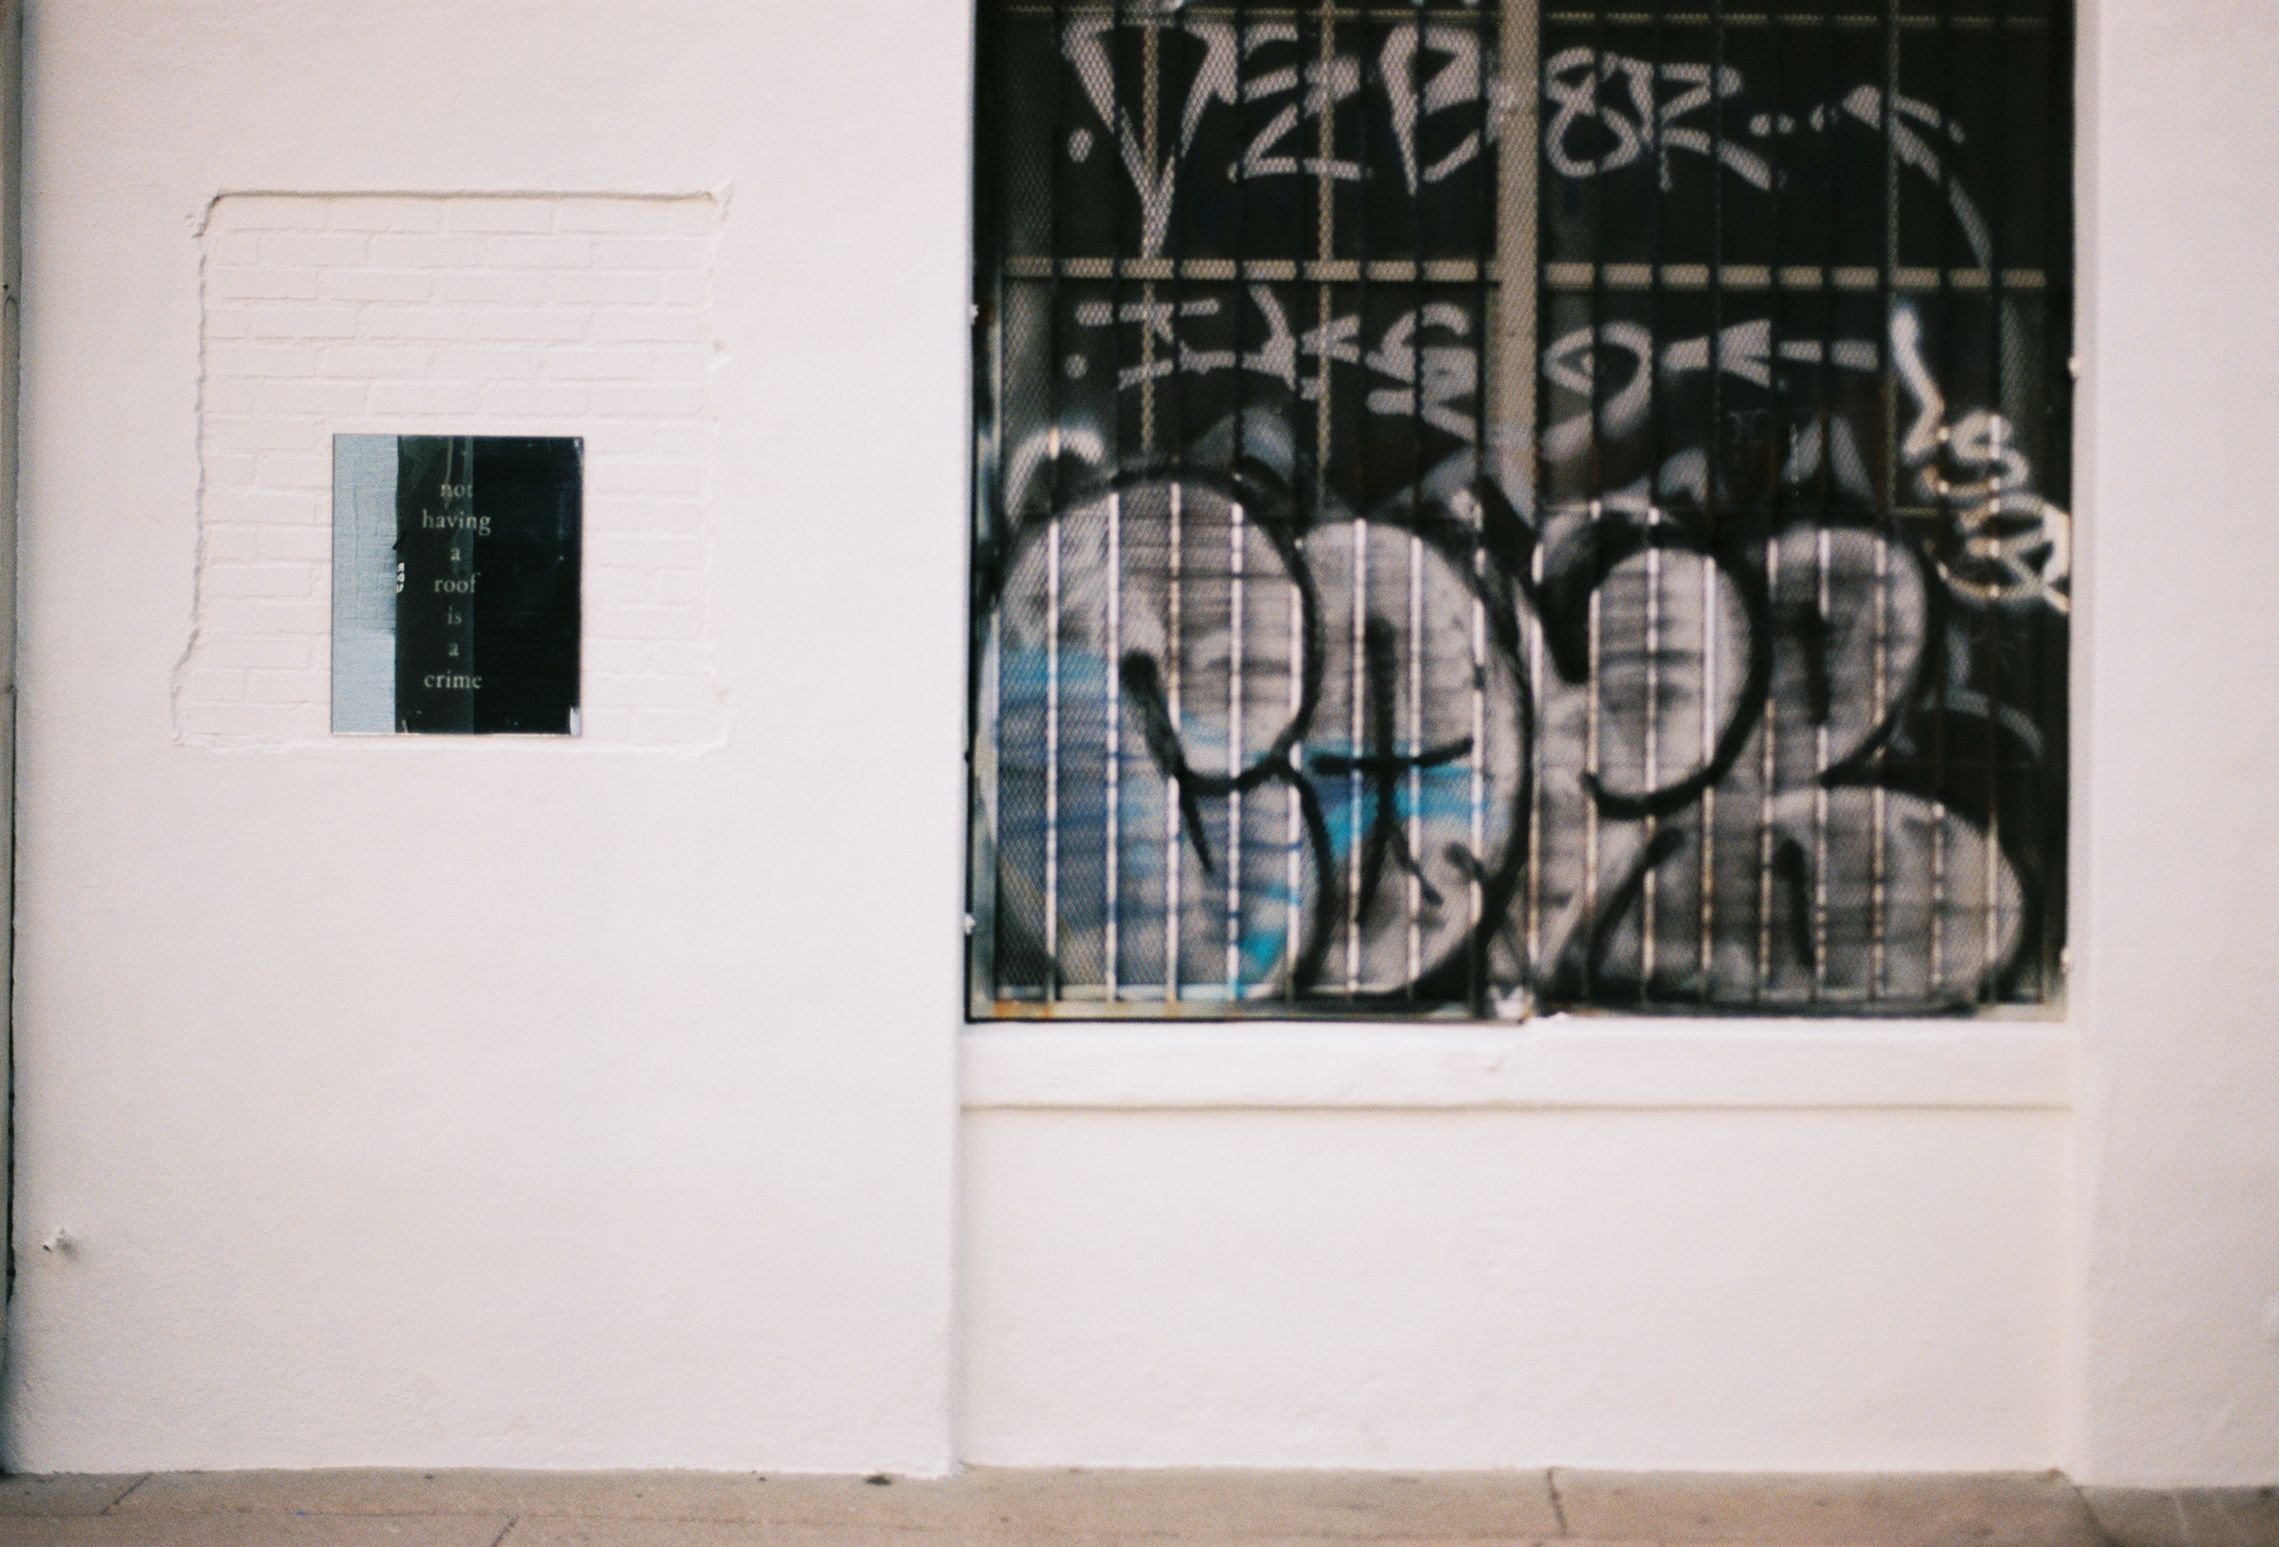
x,y
455,584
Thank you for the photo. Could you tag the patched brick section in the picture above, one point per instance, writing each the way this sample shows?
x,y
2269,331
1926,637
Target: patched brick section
x,y
454,315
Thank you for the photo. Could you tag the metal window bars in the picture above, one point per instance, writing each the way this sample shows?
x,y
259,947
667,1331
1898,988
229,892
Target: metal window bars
x,y
1481,506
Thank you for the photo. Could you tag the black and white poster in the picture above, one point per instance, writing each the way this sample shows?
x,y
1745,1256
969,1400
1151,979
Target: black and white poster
x,y
455,584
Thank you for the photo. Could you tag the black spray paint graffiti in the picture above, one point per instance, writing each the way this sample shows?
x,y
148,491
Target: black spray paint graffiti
x,y
1714,656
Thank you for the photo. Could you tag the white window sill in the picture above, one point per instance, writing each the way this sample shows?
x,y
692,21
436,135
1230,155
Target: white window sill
x,y
1558,1062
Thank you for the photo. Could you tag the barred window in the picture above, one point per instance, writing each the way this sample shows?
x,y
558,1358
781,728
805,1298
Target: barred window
x,y
1483,507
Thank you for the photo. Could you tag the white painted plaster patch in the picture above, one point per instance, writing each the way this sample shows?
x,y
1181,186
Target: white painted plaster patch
x,y
325,314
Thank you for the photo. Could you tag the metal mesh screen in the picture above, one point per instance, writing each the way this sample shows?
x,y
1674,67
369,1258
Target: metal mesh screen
x,y
1482,506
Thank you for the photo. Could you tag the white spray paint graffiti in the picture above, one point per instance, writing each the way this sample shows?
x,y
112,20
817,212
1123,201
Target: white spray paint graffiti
x,y
1296,703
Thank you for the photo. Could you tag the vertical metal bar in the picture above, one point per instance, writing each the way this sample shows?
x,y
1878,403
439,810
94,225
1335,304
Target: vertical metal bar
x,y
1475,985
1312,500
1236,622
1357,733
2057,323
1416,767
1151,104
1766,783
1535,650
1888,492
1523,288
1177,226
1362,234
1054,557
1112,835
2000,373
1830,334
1486,405
1768,529
1052,751
1174,832
1706,917
2052,380
991,714
1591,732
1519,278
1649,891
1174,814
1820,789
1177,381
1325,423
1112,882
1416,506
1705,876
1589,921
991,143
1113,839
1293,821
1934,482
1234,751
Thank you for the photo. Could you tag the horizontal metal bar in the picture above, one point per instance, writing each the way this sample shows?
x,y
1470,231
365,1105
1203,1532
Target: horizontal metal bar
x,y
1867,20
1263,270
1141,13
1559,276
1758,276
1157,13
1210,1003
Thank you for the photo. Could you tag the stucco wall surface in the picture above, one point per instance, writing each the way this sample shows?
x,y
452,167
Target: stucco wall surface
x,y
1696,1290
407,1101
2179,1234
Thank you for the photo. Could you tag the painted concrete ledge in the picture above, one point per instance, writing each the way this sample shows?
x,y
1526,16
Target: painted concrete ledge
x,y
698,1509
1571,1062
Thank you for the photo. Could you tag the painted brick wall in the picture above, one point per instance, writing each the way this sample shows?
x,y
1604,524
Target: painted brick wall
x,y
479,315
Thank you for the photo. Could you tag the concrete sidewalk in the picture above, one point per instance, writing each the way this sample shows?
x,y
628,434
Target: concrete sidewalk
x,y
999,1508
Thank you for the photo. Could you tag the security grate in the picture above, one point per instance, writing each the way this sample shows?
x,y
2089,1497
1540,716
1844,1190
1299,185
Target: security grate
x,y
1481,506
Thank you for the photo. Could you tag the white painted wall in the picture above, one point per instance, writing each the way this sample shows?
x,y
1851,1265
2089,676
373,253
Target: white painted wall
x,y
2179,1221
1511,1250
595,1103
539,1104
11,279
